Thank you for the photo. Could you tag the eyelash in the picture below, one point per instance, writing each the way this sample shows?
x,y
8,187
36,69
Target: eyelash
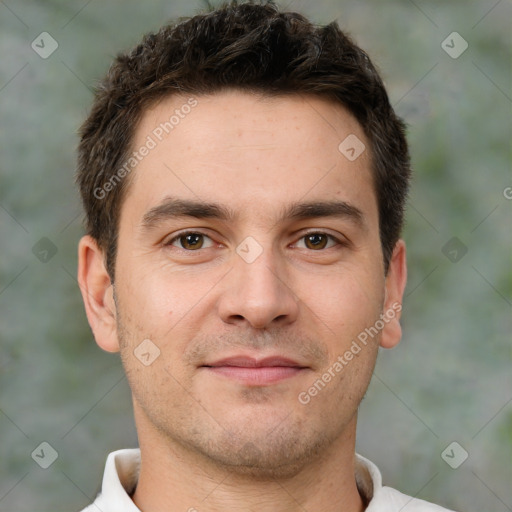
x,y
185,233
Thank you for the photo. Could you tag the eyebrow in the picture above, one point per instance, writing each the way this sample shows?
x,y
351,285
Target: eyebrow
x,y
171,208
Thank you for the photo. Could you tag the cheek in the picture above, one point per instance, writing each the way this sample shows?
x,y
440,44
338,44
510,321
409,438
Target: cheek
x,y
163,304
346,303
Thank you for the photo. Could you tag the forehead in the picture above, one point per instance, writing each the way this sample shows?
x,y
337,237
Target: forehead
x,y
253,152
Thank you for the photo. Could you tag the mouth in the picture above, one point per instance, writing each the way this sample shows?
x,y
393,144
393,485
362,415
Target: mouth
x,y
256,372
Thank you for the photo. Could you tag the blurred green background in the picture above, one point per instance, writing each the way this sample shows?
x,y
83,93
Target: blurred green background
x,y
449,380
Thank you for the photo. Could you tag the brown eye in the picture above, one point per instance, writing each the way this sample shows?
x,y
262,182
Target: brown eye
x,y
190,241
316,241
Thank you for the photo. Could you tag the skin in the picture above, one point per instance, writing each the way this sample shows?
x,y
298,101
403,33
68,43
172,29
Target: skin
x,y
208,441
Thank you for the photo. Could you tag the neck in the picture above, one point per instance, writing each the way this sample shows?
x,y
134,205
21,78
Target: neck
x,y
174,477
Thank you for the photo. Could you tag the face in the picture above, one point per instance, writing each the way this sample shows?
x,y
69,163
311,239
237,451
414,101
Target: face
x,y
249,256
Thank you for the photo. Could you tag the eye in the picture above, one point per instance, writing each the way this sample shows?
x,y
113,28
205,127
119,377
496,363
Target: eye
x,y
190,241
317,241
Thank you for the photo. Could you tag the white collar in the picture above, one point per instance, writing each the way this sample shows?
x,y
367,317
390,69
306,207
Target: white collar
x,y
123,466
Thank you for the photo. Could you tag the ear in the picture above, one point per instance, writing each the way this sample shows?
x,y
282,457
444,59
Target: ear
x,y
396,279
98,294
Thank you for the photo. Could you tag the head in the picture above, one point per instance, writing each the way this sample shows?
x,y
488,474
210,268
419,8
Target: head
x,y
244,179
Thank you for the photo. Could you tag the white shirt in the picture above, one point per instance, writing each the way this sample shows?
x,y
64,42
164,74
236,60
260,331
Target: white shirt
x,y
122,472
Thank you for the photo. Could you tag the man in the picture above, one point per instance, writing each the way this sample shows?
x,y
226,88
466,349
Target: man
x,y
244,179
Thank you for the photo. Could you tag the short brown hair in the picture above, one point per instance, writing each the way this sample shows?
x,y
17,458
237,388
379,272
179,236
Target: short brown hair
x,y
251,47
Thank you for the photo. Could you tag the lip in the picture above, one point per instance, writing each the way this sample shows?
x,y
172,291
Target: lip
x,y
256,372
253,362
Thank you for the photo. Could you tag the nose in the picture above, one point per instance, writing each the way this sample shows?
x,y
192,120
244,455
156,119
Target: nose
x,y
258,293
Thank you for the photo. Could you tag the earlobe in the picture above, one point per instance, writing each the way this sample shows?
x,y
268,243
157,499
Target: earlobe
x,y
97,294
396,280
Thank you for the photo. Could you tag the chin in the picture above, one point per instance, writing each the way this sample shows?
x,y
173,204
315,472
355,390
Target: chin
x,y
279,454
